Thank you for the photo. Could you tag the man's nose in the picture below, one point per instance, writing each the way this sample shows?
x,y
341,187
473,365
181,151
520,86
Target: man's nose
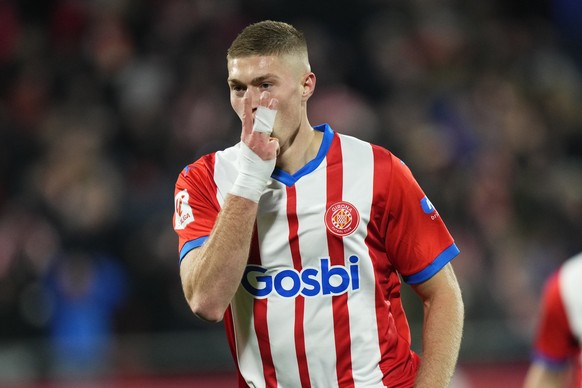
x,y
255,95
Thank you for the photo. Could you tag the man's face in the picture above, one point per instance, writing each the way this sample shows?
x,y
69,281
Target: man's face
x,y
282,76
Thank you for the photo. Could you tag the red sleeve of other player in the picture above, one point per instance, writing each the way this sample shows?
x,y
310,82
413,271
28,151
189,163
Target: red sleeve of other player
x,y
554,343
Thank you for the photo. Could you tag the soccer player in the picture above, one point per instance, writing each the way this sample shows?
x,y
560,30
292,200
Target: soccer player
x,y
557,359
297,237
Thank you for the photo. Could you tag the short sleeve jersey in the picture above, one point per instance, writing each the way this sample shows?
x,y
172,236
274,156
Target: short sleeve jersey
x,y
319,302
559,334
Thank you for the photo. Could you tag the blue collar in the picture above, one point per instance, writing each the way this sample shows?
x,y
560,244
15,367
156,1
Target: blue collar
x,y
290,179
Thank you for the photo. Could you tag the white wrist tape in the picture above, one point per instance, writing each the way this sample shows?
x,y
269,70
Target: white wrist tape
x,y
264,120
254,174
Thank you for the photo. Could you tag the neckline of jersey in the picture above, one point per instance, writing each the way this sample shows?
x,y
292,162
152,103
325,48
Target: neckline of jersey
x,y
290,179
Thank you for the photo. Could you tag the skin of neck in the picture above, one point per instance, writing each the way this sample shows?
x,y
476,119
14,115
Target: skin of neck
x,y
300,148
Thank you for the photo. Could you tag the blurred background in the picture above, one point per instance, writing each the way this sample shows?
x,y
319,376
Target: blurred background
x,y
103,102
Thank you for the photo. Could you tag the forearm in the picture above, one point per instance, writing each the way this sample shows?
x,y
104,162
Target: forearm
x,y
211,274
442,332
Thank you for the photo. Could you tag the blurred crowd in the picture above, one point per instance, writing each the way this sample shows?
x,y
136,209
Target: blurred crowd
x,y
103,102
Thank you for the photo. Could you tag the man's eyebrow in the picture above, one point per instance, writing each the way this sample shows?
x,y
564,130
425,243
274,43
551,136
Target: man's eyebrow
x,y
234,81
254,81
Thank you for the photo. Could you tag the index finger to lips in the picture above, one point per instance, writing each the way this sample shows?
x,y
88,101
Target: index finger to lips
x,y
247,116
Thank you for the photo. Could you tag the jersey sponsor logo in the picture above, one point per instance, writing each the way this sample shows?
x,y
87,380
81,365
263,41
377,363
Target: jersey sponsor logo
x,y
342,218
183,212
310,282
428,207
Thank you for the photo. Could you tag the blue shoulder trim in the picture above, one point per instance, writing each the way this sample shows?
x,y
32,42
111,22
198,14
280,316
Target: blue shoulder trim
x,y
288,179
192,245
441,260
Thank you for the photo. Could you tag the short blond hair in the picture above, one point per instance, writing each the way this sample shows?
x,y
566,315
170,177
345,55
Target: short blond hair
x,y
268,38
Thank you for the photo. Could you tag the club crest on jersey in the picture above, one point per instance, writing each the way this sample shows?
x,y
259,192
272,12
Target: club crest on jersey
x,y
342,218
183,212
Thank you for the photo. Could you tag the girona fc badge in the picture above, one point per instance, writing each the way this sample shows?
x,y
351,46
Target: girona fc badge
x,y
342,218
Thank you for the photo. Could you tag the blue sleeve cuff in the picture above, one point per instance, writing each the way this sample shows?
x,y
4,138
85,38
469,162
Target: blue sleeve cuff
x,y
192,244
552,363
441,260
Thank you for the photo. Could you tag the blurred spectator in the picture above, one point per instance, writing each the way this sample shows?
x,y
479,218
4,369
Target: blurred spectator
x,y
84,289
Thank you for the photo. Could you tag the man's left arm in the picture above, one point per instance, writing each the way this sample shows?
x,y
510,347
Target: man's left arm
x,y
442,328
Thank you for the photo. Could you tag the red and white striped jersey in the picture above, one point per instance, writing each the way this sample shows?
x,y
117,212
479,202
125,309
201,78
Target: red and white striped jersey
x,y
319,303
559,336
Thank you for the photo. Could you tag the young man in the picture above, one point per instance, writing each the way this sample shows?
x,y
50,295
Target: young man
x,y
557,360
297,236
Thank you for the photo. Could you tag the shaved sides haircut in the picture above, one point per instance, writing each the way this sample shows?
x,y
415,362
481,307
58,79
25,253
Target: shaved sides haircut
x,y
268,38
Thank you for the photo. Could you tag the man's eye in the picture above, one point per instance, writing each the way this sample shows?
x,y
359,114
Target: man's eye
x,y
265,85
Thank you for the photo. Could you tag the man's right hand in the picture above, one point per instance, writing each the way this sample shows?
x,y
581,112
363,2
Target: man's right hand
x,y
261,142
258,150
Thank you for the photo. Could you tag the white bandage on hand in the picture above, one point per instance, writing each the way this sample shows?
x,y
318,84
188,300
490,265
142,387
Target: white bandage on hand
x,y
264,120
253,174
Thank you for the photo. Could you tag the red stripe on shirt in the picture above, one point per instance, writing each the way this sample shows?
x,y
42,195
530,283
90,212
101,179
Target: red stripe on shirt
x,y
397,363
336,252
260,322
229,328
382,266
299,300
262,330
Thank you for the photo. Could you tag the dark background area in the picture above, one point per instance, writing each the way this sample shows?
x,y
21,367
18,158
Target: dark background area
x,y
103,102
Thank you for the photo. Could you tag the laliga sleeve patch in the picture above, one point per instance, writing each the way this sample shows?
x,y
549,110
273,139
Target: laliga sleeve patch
x,y
183,212
427,205
264,120
428,208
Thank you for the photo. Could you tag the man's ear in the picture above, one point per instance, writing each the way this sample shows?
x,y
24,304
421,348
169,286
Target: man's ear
x,y
308,85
